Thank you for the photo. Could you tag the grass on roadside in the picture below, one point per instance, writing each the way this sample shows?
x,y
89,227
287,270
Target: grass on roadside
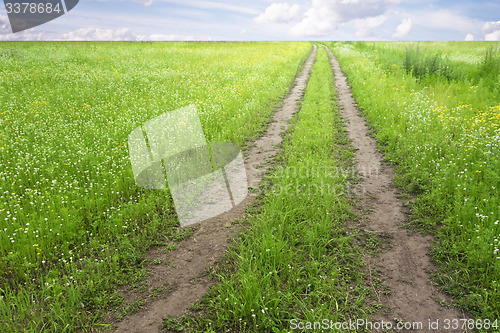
x,y
444,135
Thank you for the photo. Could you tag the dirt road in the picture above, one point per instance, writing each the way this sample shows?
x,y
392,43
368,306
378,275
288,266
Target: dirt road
x,y
405,265
184,280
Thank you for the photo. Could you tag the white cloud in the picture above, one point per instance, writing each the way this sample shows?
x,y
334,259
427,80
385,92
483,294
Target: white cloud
x,y
89,34
315,24
171,37
491,31
324,16
145,2
446,19
469,37
124,34
85,34
25,35
4,25
78,35
493,36
489,27
363,26
278,13
404,28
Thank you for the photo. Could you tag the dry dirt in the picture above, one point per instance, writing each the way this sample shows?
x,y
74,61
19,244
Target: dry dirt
x,y
405,265
184,279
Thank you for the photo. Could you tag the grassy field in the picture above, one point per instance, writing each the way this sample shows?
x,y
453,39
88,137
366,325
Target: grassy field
x,y
73,223
74,226
435,110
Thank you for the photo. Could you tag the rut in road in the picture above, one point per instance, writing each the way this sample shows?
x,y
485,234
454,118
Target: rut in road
x,y
405,266
184,280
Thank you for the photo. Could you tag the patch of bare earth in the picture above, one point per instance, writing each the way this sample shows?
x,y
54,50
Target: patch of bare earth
x,y
179,278
404,266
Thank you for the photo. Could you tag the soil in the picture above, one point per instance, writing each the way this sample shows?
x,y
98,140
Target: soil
x,y
404,267
180,277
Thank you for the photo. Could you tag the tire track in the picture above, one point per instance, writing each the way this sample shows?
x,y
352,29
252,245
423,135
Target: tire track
x,y
185,280
406,264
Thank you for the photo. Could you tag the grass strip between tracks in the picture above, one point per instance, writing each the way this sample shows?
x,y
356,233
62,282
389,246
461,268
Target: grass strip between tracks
x,y
296,261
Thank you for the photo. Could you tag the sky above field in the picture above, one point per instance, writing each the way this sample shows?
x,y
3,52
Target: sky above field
x,y
269,20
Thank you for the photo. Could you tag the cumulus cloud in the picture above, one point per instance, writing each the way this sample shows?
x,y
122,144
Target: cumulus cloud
x,y
278,13
404,28
4,25
324,15
491,31
315,24
492,36
124,34
489,27
469,38
84,34
363,26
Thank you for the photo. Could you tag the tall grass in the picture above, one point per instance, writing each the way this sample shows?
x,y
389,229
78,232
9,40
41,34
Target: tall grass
x,y
445,138
445,66
419,65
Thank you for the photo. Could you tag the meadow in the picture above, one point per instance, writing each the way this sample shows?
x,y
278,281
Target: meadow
x,y
74,227
73,224
435,109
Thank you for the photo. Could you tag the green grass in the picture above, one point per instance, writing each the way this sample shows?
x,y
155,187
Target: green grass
x,y
73,223
74,226
296,260
444,135
449,68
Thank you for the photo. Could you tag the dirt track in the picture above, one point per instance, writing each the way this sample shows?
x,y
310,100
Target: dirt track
x,y
405,265
185,280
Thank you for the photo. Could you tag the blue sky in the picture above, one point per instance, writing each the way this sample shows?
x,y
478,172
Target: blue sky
x,y
269,20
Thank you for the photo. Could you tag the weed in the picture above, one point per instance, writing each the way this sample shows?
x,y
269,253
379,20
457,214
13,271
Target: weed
x,y
132,308
173,324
